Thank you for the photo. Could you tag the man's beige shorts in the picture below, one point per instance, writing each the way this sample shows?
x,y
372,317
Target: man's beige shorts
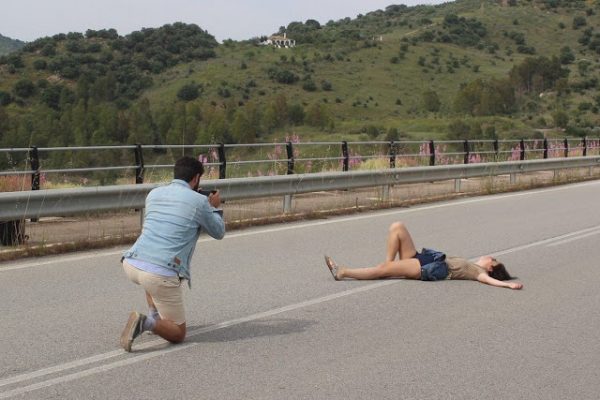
x,y
166,292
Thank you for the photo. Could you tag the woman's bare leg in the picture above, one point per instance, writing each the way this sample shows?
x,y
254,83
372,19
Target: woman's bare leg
x,y
409,269
399,242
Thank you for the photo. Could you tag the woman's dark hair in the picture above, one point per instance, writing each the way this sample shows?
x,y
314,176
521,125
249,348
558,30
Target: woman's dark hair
x,y
186,168
499,272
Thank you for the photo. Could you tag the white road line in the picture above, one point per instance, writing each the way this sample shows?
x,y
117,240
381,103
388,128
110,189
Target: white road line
x,y
574,238
69,258
546,241
142,357
196,332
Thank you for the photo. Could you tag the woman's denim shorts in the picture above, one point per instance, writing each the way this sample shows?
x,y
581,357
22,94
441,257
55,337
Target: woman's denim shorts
x,y
433,265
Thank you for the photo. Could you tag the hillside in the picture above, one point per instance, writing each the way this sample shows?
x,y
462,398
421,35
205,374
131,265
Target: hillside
x,y
8,45
462,69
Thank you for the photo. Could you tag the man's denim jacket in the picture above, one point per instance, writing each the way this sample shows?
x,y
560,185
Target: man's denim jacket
x,y
174,216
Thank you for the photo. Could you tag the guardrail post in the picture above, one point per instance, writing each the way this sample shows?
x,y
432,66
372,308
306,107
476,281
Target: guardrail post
x,y
346,156
139,173
287,199
466,151
222,161
34,162
584,141
496,149
522,146
385,189
139,162
431,153
566,142
545,148
392,154
385,193
290,156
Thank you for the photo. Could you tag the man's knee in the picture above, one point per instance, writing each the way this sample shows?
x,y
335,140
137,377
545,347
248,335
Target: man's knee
x,y
180,336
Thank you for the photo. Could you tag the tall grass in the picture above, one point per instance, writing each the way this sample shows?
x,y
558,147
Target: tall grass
x,y
14,183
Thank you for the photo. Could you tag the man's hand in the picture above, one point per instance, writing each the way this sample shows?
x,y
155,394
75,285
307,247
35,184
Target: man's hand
x,y
515,285
215,199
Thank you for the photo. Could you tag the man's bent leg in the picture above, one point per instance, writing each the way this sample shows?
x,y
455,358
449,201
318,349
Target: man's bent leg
x,y
170,331
152,311
166,294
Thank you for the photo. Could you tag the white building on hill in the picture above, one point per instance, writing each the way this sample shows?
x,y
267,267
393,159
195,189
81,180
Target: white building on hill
x,y
279,41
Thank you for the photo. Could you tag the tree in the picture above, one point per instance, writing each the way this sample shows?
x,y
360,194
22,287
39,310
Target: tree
x,y
51,96
282,76
107,126
105,88
318,116
254,117
326,86
24,88
561,119
309,85
482,97
281,109
40,64
142,129
4,124
241,131
579,21
372,131
296,114
458,130
566,55
431,101
537,74
5,98
270,118
188,92
218,130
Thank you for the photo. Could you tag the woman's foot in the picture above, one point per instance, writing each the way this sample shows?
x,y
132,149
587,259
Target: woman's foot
x,y
333,268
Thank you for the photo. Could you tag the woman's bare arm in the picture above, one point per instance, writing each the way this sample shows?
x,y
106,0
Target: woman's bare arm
x,y
488,280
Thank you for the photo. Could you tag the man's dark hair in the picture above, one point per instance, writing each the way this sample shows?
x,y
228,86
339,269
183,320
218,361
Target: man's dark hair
x,y
186,168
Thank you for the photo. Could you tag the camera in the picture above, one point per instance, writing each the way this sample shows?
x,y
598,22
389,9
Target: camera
x,y
206,193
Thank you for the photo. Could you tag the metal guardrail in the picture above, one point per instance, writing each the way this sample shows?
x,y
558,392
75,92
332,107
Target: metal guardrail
x,y
38,161
60,202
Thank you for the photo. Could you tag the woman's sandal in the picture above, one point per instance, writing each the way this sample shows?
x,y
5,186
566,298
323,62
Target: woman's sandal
x,y
333,268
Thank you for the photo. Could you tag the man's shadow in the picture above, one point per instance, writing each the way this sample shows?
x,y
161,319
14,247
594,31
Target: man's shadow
x,y
248,330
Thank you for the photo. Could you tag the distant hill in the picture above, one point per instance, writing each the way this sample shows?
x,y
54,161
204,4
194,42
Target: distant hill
x,y
462,69
8,45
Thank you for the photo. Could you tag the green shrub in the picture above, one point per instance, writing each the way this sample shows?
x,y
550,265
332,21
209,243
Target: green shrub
x,y
309,85
188,92
24,88
40,64
578,22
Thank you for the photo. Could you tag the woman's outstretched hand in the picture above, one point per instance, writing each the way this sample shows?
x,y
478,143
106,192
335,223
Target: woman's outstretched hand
x,y
515,285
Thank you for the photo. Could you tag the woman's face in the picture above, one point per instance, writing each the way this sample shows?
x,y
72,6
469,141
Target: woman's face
x,y
486,262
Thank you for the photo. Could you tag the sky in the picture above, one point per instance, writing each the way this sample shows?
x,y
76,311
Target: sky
x,y
28,20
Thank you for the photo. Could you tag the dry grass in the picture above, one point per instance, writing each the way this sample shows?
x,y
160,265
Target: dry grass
x,y
14,183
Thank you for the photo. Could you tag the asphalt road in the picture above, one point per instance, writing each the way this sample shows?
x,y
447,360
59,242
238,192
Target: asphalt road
x,y
267,321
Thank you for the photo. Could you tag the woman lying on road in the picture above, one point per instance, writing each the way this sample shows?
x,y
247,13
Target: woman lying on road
x,y
428,265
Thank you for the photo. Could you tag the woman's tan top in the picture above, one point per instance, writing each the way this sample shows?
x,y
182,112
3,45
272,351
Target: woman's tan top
x,y
460,268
